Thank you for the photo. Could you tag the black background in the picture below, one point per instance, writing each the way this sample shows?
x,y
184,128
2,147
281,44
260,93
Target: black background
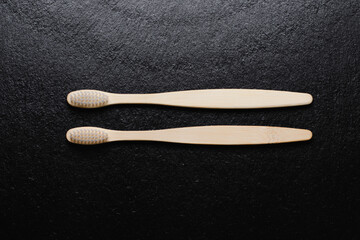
x,y
51,189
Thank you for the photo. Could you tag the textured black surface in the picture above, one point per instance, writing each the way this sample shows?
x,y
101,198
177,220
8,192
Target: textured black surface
x,y
51,189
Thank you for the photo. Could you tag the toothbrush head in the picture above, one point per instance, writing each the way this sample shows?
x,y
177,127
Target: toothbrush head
x,y
87,135
88,99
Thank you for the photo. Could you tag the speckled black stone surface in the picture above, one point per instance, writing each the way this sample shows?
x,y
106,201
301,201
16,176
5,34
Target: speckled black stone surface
x,y
51,189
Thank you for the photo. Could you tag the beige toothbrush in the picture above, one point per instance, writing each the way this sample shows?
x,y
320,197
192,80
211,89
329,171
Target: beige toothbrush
x,y
208,98
206,135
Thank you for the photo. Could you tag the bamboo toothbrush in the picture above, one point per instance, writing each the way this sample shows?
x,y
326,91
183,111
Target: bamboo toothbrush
x,y
208,98
206,135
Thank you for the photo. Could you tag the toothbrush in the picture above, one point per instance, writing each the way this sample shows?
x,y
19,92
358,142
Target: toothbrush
x,y
206,135
207,98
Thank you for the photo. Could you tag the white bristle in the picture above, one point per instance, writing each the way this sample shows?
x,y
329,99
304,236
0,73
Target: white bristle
x,y
87,136
88,99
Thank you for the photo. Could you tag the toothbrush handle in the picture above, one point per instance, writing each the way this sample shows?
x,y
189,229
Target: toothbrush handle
x,y
218,98
216,135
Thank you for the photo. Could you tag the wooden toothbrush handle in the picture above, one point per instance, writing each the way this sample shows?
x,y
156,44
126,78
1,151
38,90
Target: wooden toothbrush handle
x,y
216,135
218,98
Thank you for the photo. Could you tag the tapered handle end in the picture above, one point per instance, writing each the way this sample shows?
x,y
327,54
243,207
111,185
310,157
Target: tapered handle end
x,y
308,98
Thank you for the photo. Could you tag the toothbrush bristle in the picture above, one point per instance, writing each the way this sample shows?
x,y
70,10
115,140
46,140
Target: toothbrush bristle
x,y
88,99
87,136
